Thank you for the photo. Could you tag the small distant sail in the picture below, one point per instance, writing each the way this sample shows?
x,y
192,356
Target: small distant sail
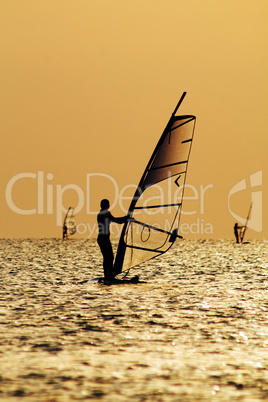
x,y
244,228
69,224
155,209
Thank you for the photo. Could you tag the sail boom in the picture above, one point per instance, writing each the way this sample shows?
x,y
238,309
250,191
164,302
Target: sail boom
x,y
146,225
146,249
178,204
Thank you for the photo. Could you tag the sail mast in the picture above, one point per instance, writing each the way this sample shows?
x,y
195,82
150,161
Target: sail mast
x,y
179,103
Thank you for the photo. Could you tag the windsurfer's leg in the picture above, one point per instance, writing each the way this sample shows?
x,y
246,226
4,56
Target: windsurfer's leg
x,y
108,257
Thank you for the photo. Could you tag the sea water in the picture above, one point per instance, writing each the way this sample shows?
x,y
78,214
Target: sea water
x,y
194,329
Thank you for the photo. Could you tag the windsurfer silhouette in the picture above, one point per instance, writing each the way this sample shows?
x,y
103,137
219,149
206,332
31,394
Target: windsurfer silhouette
x,y
236,231
104,219
64,232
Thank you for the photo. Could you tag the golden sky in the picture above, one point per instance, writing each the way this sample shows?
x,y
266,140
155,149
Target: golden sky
x,y
87,87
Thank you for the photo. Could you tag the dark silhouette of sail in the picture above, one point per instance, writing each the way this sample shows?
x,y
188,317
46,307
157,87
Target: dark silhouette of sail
x,y
155,209
244,228
69,224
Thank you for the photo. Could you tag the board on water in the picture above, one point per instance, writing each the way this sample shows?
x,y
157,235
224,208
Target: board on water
x,y
115,281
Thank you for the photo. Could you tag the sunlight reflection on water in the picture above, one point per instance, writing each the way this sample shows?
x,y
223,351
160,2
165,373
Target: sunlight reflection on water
x,y
195,329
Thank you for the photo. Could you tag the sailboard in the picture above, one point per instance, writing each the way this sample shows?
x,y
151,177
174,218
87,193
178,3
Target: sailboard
x,y
155,210
124,281
244,228
69,224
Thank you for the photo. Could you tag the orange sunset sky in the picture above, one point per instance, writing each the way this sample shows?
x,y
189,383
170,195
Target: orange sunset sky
x,y
87,87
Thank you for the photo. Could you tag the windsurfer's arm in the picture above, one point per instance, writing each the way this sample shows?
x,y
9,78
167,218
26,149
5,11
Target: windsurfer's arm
x,y
120,220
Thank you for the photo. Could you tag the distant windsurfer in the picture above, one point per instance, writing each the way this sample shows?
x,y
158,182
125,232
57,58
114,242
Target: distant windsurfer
x,y
236,231
64,232
68,227
104,219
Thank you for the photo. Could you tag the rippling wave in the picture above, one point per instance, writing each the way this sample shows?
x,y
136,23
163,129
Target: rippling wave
x,y
194,329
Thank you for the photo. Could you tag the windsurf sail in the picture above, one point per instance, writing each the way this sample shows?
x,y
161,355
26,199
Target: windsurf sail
x,y
154,212
244,228
69,224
